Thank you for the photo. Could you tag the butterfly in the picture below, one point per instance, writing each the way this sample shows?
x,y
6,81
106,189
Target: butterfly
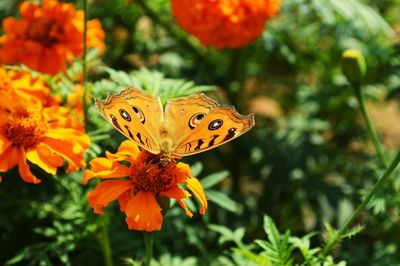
x,y
187,126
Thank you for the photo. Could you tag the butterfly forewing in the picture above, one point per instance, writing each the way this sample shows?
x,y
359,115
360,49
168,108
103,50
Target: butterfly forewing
x,y
183,114
148,109
127,120
221,125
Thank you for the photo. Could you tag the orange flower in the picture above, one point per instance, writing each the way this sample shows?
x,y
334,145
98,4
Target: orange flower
x,y
21,84
224,23
29,131
47,36
150,180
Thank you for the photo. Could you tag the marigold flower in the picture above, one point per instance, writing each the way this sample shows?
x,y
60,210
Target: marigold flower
x,y
29,131
47,36
21,84
224,23
149,179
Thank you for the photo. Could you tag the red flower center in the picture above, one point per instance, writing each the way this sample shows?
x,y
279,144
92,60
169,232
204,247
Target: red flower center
x,y
152,173
45,31
24,128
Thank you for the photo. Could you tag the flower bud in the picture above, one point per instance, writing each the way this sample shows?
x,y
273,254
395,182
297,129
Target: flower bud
x,y
353,66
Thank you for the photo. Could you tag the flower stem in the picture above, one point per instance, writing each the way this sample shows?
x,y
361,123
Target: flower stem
x,y
361,207
148,241
371,130
105,244
84,102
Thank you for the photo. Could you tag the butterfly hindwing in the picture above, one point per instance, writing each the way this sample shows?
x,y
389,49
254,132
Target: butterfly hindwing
x,y
128,121
221,125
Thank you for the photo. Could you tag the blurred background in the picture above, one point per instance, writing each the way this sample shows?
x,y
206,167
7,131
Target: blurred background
x,y
307,162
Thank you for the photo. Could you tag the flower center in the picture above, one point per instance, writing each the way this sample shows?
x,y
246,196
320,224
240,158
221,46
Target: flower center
x,y
152,173
24,128
45,31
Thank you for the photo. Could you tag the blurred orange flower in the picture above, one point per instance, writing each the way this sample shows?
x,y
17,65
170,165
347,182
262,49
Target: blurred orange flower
x,y
224,23
29,131
21,84
150,180
47,36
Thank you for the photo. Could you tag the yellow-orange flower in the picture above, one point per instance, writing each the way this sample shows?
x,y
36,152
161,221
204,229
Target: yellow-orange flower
x,y
29,131
47,36
20,83
224,23
149,179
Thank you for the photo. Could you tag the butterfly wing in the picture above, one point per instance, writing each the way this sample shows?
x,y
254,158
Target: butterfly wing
x,y
133,113
182,115
200,124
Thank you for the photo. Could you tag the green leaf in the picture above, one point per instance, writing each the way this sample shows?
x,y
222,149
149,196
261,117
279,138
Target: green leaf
x,y
222,200
213,179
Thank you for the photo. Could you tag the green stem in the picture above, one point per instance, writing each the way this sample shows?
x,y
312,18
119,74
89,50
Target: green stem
x,y
197,50
371,130
105,244
148,241
84,75
361,207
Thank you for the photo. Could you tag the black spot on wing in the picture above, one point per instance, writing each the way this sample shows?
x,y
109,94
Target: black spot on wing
x,y
231,134
115,122
212,141
199,143
129,133
140,138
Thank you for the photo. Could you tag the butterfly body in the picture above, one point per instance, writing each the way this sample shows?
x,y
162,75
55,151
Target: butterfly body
x,y
187,126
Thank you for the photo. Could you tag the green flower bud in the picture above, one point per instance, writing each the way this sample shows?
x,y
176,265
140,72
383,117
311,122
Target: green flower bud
x,y
353,66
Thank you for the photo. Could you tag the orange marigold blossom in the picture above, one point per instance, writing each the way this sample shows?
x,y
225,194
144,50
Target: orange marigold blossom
x,y
148,179
224,23
29,131
20,83
47,36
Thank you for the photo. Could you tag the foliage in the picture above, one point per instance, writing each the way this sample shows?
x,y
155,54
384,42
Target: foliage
x,y
276,194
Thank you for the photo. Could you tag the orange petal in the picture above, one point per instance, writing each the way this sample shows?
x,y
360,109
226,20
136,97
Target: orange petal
x,y
24,170
183,205
8,158
175,192
127,149
106,192
184,172
194,185
44,158
123,200
66,150
143,212
4,143
105,168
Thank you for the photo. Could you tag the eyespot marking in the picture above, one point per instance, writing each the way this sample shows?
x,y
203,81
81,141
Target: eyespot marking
x,y
139,114
214,125
124,114
196,119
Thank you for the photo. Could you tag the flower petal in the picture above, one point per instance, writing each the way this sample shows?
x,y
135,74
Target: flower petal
x,y
66,150
8,158
143,212
105,168
127,149
175,192
194,185
183,205
44,158
106,192
24,170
